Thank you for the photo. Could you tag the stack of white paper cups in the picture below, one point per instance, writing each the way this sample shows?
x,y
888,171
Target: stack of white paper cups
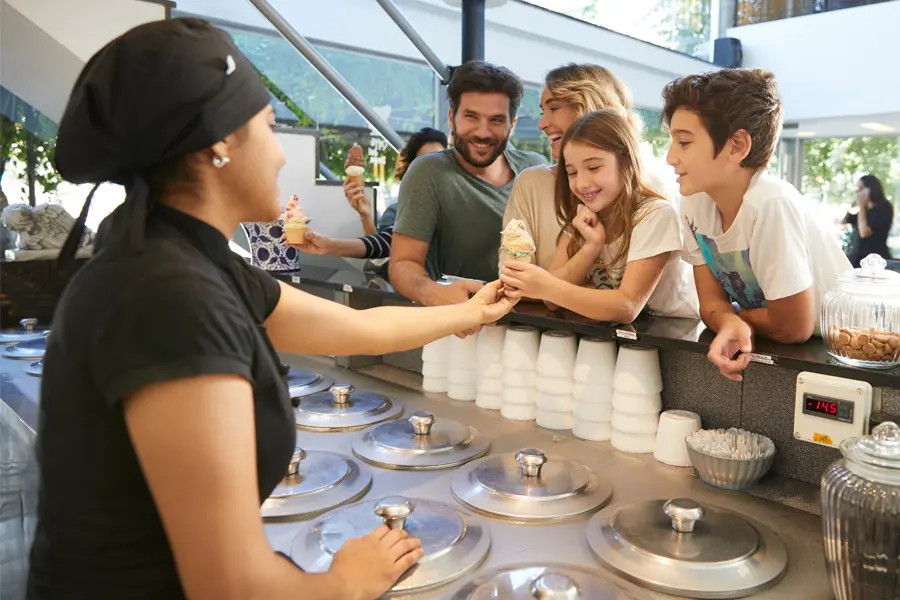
x,y
595,365
555,386
463,375
435,366
637,384
520,353
489,356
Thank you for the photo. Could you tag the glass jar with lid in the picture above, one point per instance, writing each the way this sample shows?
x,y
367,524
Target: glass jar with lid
x,y
860,319
861,517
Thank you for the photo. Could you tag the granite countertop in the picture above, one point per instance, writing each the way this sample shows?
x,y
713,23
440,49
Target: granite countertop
x,y
663,332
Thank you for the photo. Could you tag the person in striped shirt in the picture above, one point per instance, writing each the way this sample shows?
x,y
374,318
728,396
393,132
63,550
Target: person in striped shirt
x,y
376,244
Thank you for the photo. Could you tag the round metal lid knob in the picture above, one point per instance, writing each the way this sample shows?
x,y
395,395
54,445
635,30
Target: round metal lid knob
x,y
531,461
294,466
394,510
554,586
684,514
28,324
422,422
341,393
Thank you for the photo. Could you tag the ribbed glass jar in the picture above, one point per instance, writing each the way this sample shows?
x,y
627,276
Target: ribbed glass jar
x,y
860,318
860,496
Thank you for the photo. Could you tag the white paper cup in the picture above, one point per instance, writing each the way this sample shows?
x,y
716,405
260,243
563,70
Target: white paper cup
x,y
436,351
556,356
555,402
523,378
627,423
463,377
633,443
521,347
595,361
489,385
557,421
488,401
637,370
463,393
636,404
600,412
462,353
593,431
489,348
521,396
438,370
555,385
435,384
519,412
592,393
674,427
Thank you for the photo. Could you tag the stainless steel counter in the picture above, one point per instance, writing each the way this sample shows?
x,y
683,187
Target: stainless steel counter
x,y
633,477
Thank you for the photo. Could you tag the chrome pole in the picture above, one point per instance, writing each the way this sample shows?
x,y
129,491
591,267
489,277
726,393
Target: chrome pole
x,y
436,63
328,72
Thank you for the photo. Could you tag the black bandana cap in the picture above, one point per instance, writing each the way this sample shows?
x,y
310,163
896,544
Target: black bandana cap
x,y
159,91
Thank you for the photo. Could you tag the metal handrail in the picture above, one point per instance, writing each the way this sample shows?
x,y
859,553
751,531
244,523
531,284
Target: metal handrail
x,y
328,72
441,68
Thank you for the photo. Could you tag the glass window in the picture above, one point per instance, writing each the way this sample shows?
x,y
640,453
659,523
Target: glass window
x,y
682,25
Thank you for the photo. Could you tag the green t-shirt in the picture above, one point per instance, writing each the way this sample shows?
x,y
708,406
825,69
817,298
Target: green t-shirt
x,y
458,214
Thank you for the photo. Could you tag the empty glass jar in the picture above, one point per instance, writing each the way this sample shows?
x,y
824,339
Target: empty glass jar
x,y
861,517
860,318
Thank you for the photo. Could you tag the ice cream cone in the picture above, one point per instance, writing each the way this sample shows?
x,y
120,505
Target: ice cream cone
x,y
295,233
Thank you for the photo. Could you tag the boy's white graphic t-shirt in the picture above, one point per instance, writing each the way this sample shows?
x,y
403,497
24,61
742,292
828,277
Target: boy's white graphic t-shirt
x,y
656,232
775,248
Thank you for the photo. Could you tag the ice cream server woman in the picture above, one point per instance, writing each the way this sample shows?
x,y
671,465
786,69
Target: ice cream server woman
x,y
165,419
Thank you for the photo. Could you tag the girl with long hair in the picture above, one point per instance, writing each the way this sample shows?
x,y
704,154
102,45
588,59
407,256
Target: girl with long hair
x,y
570,92
619,248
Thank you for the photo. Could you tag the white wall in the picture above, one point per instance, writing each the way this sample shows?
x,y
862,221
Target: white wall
x,y
841,63
524,38
85,26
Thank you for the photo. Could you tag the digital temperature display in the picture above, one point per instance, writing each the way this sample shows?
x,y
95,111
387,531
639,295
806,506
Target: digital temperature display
x,y
838,410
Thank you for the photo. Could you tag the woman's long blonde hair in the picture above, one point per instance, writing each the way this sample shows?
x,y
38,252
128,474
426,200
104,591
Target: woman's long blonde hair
x,y
608,130
588,88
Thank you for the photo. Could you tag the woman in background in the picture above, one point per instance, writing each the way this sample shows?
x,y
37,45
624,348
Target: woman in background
x,y
871,222
376,244
569,92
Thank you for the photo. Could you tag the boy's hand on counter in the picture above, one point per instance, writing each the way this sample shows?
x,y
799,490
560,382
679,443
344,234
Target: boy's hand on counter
x,y
730,350
369,566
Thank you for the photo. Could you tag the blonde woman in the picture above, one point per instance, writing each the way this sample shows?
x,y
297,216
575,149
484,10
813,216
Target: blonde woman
x,y
570,92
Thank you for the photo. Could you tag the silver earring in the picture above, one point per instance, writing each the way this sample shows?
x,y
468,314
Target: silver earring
x,y
220,161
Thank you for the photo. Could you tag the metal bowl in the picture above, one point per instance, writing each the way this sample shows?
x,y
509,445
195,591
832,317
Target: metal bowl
x,y
729,473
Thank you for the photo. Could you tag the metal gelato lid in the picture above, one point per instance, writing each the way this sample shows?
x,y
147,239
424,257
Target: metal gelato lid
x,y
343,408
530,486
420,442
29,331
302,383
317,481
454,541
682,548
539,581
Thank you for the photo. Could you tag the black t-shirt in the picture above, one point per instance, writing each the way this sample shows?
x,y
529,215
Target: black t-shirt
x,y
879,217
176,310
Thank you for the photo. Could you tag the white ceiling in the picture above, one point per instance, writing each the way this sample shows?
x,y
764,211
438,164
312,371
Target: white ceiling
x,y
843,126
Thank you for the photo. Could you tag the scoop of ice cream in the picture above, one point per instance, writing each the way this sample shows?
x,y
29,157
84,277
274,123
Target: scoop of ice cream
x,y
516,240
356,163
293,213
